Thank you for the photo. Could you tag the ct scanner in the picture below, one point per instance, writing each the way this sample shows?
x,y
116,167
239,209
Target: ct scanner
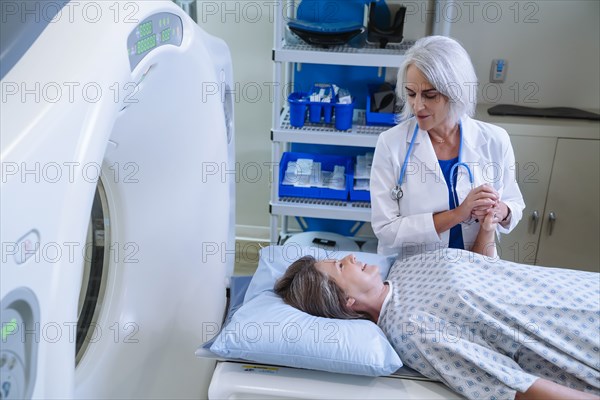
x,y
117,199
117,210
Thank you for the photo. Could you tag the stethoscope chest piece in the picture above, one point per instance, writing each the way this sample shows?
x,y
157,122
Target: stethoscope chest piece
x,y
396,193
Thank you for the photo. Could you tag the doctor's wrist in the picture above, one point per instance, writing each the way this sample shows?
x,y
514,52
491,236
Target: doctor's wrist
x,y
506,220
460,214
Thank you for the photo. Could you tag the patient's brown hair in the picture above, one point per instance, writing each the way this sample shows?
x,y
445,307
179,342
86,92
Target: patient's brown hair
x,y
306,288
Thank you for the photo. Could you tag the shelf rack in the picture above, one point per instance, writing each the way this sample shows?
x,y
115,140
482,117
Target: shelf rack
x,y
290,51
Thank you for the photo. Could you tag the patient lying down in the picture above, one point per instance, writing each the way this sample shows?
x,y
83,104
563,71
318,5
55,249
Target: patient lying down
x,y
487,328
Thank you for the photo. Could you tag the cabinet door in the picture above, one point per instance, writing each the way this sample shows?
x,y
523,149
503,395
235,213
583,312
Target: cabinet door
x,y
533,156
570,236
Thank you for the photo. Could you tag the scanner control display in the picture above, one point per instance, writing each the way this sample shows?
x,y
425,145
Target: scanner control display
x,y
158,30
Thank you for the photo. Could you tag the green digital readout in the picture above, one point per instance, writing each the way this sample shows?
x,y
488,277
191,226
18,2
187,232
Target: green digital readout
x,y
165,35
9,328
146,44
145,29
154,31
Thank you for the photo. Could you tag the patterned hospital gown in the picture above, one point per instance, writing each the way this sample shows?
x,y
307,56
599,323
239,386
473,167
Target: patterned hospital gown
x,y
488,328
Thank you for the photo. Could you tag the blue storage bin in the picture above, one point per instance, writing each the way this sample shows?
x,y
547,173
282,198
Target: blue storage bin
x,y
327,112
319,112
328,162
375,118
359,195
315,112
298,102
346,228
343,116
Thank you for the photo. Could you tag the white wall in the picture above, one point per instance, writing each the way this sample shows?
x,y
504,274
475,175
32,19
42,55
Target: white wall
x,y
247,27
552,47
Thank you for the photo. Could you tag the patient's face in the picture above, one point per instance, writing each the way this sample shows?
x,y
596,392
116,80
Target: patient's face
x,y
351,275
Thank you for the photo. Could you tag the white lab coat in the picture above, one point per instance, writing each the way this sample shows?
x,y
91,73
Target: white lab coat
x,y
409,229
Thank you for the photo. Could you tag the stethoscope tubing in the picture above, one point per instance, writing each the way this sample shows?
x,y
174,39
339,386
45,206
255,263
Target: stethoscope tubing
x,y
397,192
408,152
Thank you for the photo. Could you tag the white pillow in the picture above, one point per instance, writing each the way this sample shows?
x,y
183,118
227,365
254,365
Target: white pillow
x,y
265,329
274,260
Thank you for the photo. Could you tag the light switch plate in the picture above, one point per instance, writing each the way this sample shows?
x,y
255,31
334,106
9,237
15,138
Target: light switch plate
x,y
498,70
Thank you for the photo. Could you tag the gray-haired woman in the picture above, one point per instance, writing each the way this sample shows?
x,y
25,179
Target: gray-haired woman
x,y
487,328
435,175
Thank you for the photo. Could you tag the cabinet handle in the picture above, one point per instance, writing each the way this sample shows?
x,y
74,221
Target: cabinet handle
x,y
551,219
535,217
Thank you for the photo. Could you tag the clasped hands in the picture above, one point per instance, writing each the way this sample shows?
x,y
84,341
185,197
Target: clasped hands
x,y
483,204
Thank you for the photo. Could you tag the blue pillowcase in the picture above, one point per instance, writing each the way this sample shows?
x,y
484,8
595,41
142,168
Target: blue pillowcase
x,y
266,330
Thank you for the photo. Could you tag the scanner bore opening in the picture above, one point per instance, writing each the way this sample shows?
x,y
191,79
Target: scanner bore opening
x,y
95,271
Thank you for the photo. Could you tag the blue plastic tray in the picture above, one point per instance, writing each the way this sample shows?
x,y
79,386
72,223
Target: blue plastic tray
x,y
327,164
359,195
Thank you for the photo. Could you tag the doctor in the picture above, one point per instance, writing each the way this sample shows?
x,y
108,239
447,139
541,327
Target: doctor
x,y
438,173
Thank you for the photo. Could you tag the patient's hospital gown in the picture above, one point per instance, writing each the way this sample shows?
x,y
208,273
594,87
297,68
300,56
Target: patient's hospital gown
x,y
488,328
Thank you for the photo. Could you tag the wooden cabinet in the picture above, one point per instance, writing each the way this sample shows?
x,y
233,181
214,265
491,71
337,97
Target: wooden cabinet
x,y
560,181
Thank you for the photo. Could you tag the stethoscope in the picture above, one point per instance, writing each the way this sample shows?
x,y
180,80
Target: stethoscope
x,y
397,193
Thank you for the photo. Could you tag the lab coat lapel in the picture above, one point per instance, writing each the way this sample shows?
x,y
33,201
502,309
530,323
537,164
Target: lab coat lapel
x,y
426,162
426,171
473,141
